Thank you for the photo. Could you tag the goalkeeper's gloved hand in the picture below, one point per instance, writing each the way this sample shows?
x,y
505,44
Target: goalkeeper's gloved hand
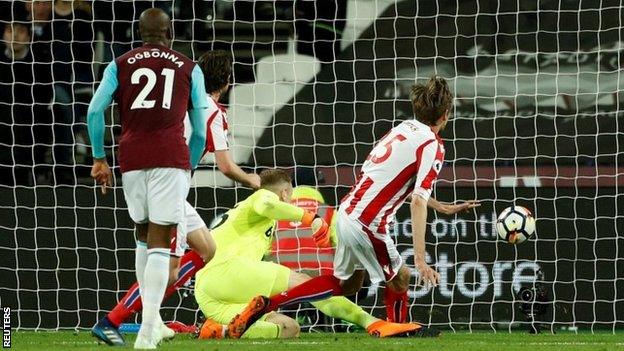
x,y
320,232
320,229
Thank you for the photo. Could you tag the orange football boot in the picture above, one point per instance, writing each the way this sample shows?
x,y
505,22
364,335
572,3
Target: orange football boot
x,y
212,330
242,321
384,329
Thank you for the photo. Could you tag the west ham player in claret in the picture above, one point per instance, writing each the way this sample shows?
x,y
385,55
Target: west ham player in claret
x,y
154,86
406,162
216,66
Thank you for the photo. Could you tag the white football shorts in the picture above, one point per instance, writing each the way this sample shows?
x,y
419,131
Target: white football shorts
x,y
360,249
192,221
156,195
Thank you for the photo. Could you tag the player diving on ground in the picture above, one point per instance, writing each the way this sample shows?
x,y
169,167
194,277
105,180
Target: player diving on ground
x,y
237,272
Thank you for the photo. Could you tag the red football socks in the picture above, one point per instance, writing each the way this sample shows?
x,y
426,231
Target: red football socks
x,y
131,303
190,263
315,289
396,305
125,308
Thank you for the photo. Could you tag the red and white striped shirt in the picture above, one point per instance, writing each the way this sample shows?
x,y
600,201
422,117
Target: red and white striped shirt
x,y
216,128
406,161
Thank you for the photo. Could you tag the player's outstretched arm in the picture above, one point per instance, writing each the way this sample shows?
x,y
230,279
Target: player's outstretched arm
x,y
270,206
418,209
231,170
95,125
451,209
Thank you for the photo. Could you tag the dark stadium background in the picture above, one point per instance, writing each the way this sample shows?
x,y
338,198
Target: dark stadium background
x,y
65,251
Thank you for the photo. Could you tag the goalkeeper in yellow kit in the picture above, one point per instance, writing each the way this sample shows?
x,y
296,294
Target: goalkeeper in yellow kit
x,y
237,273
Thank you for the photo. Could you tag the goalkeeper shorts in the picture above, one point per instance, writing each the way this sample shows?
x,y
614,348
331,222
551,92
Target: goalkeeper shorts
x,y
222,290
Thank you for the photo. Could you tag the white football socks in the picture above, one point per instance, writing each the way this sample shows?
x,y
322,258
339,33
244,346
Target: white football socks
x,y
140,259
155,278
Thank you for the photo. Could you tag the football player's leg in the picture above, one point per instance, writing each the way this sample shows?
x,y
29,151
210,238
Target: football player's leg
x,y
238,280
346,263
174,269
167,189
383,262
155,279
131,303
190,263
270,326
199,238
386,264
342,308
126,307
260,305
289,328
201,243
181,270
135,194
338,306
379,256
222,291
264,329
395,296
107,328
140,257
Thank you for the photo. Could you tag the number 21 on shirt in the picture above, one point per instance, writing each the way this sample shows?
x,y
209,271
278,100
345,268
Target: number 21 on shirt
x,y
140,100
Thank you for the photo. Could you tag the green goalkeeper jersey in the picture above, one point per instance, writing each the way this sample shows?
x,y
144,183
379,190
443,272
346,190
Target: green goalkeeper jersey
x,y
247,229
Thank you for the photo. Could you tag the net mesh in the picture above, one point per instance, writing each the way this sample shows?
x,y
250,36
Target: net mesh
x,y
536,122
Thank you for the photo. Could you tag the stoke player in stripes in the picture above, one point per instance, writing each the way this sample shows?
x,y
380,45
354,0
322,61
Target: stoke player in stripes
x,y
406,162
217,68
193,233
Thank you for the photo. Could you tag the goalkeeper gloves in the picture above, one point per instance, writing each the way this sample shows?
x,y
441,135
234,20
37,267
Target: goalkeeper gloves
x,y
320,229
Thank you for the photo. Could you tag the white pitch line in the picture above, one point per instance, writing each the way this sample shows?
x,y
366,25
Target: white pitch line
x,y
272,342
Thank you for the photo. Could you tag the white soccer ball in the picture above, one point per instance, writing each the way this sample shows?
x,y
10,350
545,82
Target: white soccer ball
x,y
515,224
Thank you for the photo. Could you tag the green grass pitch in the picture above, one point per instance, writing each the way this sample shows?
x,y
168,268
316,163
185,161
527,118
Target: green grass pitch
x,y
481,341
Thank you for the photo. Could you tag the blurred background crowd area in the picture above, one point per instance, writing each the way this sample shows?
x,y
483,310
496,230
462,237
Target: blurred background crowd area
x,y
317,83
54,51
